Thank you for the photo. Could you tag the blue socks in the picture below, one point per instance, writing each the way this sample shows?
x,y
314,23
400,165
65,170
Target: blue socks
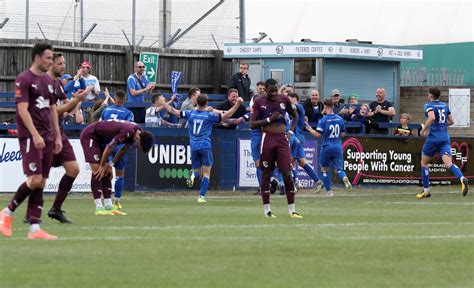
x,y
311,172
326,181
204,186
259,175
425,177
118,187
341,174
456,171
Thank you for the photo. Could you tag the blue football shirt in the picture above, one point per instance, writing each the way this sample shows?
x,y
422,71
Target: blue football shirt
x,y
116,112
330,127
200,127
439,128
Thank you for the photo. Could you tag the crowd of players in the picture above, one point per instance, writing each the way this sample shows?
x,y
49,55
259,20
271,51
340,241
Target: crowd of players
x,y
277,121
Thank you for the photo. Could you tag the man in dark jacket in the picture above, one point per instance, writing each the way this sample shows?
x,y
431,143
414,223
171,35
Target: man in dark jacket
x,y
313,108
241,82
232,96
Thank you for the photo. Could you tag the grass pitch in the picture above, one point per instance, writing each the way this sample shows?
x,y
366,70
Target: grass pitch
x,y
365,238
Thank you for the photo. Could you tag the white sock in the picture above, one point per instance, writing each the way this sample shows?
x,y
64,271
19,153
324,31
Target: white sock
x,y
426,190
8,211
266,208
117,199
108,202
98,203
34,227
291,208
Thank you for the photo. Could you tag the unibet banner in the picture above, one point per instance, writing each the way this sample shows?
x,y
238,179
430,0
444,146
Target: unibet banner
x,y
168,164
397,160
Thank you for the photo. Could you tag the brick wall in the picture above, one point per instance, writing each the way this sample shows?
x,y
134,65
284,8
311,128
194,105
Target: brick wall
x,y
412,100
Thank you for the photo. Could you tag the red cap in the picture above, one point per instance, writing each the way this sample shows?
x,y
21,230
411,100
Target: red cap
x,y
86,64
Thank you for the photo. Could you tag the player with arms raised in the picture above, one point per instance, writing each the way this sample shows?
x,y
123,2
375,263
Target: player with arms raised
x,y
269,112
439,118
200,123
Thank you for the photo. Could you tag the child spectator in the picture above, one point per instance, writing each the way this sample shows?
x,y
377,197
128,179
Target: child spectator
x,y
403,129
363,118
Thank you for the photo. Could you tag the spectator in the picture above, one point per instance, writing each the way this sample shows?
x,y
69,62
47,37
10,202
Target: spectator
x,y
382,110
153,115
403,129
137,86
367,122
241,82
93,113
189,104
232,96
73,84
352,108
336,100
313,108
90,80
75,116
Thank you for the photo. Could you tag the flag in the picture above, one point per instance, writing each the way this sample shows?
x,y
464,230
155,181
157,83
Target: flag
x,y
175,78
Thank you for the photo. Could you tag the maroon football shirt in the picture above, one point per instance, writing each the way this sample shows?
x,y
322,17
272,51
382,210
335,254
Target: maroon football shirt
x,y
103,132
37,91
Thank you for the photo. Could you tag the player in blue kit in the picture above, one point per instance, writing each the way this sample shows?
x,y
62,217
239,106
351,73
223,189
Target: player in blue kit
x,y
439,118
118,112
331,128
200,123
297,147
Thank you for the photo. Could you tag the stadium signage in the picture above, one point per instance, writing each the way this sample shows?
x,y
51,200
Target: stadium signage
x,y
246,174
168,164
396,160
150,61
286,50
11,170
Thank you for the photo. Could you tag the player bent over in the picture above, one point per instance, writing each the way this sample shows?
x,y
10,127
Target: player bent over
x,y
39,137
331,128
268,112
439,118
98,141
200,123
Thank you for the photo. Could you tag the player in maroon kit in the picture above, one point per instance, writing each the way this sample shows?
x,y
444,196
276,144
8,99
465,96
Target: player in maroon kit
x,y
39,137
98,141
269,113
66,157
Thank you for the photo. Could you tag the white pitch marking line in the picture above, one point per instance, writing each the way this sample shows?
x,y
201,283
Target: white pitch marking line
x,y
420,203
260,238
247,226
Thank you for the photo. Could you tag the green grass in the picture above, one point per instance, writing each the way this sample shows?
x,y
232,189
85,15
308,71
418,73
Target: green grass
x,y
374,238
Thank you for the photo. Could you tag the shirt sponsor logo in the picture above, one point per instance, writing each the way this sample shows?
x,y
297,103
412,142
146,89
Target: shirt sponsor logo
x,y
42,103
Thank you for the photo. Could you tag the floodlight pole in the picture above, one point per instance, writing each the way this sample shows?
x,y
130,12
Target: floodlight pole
x,y
27,20
242,20
134,9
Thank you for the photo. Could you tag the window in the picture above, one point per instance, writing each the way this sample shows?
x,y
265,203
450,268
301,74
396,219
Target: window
x,y
305,70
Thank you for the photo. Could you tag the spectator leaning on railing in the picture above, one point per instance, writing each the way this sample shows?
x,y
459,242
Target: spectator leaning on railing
x,y
137,86
232,96
382,110
189,104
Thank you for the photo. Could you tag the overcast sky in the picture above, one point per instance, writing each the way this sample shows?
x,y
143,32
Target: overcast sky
x,y
382,22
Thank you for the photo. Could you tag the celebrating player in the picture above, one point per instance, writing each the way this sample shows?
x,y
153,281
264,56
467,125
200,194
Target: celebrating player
x,y
331,128
297,148
200,123
439,118
118,112
268,112
98,141
39,137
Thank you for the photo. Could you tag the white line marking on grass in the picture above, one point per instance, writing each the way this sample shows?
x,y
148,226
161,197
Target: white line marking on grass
x,y
420,203
259,226
264,238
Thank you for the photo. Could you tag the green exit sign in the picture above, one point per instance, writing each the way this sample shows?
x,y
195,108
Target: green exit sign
x,y
150,60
